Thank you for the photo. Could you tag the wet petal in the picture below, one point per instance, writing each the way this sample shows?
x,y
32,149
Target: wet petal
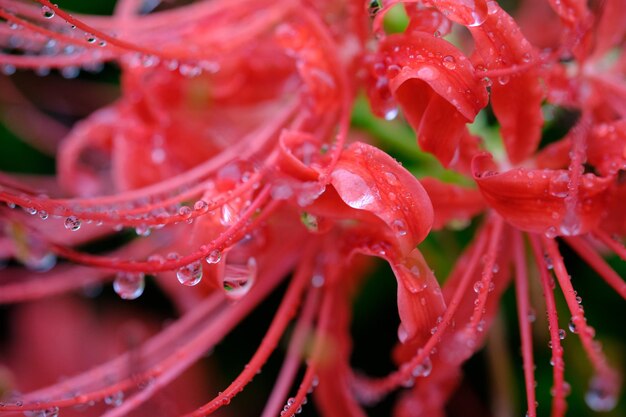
x,y
452,202
368,179
434,84
516,98
540,201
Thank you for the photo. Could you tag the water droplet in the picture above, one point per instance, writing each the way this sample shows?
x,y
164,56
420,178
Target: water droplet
x,y
47,12
402,334
478,285
391,113
317,281
115,399
90,38
201,206
424,369
551,232
601,395
562,334
239,277
214,257
129,285
487,82
190,275
143,230
449,62
532,316
72,223
572,327
185,212
43,215
228,215
504,79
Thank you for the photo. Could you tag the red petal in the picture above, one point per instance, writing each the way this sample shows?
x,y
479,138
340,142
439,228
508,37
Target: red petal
x,y
452,202
419,297
516,99
607,147
368,179
610,29
434,84
537,200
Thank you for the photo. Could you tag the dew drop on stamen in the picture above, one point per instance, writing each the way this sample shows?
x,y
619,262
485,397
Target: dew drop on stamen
x,y
601,395
239,278
201,206
562,334
43,215
572,327
72,223
115,399
214,257
185,212
129,285
190,275
47,12
424,369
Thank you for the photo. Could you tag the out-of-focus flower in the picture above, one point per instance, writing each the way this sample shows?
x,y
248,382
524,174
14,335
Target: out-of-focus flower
x,y
568,190
227,154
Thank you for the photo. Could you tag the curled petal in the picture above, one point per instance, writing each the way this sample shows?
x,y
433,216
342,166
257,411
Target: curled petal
x,y
419,297
368,179
434,84
515,97
452,202
541,201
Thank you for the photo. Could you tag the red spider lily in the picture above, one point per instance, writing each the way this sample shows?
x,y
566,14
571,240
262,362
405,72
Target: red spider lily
x,y
568,190
227,154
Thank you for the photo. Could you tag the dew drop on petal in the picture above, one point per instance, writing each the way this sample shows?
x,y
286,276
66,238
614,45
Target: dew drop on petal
x,y
391,113
239,277
143,230
399,227
129,285
190,275
550,232
47,12
449,62
72,223
403,335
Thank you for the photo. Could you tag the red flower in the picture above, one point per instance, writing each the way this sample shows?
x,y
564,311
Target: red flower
x,y
569,189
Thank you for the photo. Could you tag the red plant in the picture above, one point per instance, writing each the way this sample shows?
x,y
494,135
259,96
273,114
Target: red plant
x,y
568,190
229,154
